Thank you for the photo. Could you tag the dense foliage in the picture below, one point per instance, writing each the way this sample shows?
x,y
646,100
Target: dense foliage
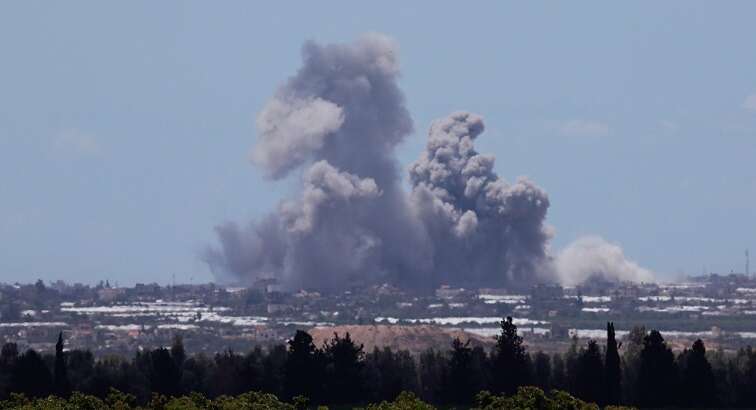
x,y
526,398
340,374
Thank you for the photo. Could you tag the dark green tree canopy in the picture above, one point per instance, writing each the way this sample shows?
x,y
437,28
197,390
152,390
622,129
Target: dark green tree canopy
x,y
658,378
510,359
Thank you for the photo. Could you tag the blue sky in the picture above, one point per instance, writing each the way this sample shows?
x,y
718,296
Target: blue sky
x,y
125,129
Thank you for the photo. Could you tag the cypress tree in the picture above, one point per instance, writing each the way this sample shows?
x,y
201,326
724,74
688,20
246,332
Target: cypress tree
x,y
612,367
62,385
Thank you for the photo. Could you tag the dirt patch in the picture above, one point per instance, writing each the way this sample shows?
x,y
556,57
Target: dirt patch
x,y
399,337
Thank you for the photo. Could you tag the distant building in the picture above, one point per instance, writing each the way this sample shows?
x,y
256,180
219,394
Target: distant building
x,y
446,292
274,308
109,295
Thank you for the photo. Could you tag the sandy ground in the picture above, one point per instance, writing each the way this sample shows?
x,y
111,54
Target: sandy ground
x,y
413,338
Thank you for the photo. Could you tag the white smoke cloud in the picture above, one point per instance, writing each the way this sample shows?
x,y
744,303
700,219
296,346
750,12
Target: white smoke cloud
x,y
466,224
592,256
291,129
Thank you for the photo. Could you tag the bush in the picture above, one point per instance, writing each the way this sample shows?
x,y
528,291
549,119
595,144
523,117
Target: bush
x,y
532,398
405,401
120,401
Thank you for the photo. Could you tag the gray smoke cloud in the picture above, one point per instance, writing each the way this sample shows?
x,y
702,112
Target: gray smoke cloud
x,y
340,117
291,129
485,231
338,121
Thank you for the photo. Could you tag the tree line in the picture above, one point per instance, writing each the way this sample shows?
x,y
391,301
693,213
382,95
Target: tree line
x,y
340,373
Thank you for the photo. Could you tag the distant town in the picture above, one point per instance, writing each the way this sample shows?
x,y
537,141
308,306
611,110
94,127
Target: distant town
x,y
720,309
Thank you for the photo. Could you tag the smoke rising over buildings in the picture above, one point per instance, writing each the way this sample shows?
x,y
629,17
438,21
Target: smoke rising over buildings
x,y
592,256
338,121
483,230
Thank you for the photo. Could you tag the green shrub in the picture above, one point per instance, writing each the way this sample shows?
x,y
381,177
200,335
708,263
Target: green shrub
x,y
532,398
405,401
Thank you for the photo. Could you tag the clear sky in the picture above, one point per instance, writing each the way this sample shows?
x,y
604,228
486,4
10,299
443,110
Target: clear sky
x,y
126,128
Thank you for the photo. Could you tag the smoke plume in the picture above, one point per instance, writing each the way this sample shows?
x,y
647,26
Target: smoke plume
x,y
337,122
591,256
484,231
340,117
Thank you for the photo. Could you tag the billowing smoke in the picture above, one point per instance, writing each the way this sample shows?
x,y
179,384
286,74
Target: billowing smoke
x,y
591,256
338,121
340,117
484,231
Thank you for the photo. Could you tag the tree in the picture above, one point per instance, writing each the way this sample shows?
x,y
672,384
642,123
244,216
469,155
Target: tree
x,y
39,287
405,401
303,372
528,398
389,373
177,352
657,383
251,370
571,365
226,375
433,373
195,374
105,374
725,368
8,358
510,360
39,298
79,368
461,389
164,375
233,374
590,374
274,369
631,363
374,374
10,312
558,372
31,376
480,376
119,400
746,376
613,372
698,379
344,371
542,371
62,385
